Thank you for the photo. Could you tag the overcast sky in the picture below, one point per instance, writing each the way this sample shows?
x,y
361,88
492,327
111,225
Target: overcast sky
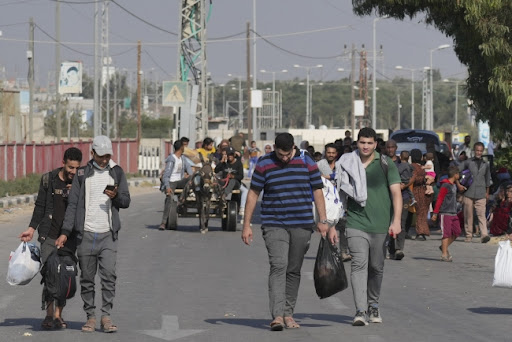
x,y
313,29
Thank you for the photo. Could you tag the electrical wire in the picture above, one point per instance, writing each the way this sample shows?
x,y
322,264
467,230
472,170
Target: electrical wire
x,y
63,45
154,61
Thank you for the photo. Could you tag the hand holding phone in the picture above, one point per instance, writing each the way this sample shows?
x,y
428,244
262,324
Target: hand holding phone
x,y
110,187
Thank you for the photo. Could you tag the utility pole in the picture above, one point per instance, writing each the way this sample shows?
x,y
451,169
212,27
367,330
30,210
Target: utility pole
x,y
139,120
97,106
254,77
352,84
399,107
30,56
248,85
57,69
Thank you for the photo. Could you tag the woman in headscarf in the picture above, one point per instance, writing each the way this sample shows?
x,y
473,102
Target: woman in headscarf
x,y
423,200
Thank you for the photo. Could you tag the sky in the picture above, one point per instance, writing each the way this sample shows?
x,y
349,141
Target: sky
x,y
302,32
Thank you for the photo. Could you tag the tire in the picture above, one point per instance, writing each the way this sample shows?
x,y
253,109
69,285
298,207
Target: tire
x,y
231,216
172,219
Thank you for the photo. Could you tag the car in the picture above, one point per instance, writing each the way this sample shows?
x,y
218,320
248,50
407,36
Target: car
x,y
409,139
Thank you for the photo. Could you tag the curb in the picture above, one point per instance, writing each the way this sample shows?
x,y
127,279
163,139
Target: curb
x,y
7,202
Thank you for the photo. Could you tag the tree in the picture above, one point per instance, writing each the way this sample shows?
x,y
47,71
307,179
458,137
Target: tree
x,y
480,30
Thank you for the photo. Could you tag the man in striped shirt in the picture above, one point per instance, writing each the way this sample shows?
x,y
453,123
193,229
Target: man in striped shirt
x,y
288,179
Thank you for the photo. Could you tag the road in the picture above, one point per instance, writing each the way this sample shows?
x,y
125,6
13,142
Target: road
x,y
186,286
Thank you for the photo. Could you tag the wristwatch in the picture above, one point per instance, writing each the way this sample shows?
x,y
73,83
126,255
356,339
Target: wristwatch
x,y
323,221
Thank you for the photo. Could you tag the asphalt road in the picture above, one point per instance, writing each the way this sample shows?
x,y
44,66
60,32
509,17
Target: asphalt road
x,y
186,286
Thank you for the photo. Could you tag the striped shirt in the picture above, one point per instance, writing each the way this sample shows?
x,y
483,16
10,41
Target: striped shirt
x,y
97,218
287,190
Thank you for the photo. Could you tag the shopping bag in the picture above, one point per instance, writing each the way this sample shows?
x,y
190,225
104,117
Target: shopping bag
x,y
24,264
329,273
503,266
333,207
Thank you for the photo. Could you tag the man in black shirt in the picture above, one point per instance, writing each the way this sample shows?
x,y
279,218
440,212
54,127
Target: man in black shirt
x,y
232,171
48,216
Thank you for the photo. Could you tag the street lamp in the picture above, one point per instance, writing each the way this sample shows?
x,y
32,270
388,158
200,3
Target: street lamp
x,y
456,98
430,117
308,69
240,101
374,79
399,67
273,91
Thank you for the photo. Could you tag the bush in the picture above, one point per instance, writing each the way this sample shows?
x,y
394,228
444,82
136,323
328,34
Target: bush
x,y
503,158
20,186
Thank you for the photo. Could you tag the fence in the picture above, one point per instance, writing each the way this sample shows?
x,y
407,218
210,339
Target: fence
x,y
21,159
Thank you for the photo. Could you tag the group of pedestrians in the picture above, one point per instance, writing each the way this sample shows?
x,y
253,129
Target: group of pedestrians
x,y
77,211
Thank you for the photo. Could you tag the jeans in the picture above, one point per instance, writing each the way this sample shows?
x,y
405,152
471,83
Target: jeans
x,y
368,252
286,249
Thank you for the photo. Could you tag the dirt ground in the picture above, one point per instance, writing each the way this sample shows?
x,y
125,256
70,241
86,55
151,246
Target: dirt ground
x,y
7,214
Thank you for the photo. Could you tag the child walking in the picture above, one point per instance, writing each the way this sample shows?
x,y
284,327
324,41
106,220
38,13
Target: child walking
x,y
446,207
430,173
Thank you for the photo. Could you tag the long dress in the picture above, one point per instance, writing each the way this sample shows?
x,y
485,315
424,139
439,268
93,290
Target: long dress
x,y
423,201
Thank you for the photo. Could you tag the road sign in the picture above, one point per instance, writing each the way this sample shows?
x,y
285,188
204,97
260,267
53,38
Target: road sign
x,y
174,94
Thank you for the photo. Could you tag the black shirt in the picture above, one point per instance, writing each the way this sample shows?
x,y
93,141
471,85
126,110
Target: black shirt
x,y
60,203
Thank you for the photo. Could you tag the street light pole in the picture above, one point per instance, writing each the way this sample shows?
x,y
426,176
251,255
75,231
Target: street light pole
x,y
399,67
374,76
240,100
273,92
430,117
308,69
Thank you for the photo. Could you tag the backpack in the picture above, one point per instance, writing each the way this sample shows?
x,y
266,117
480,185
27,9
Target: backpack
x,y
59,276
466,178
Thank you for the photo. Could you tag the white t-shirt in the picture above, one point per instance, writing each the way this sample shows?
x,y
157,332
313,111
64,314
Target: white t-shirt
x,y
176,171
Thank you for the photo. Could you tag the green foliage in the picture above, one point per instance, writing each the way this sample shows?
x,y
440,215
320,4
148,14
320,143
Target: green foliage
x,y
481,38
20,186
503,157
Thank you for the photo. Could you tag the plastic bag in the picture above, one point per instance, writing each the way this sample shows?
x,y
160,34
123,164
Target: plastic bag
x,y
503,266
329,273
333,207
24,264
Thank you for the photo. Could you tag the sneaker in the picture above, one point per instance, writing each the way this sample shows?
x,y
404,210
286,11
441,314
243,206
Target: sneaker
x,y
399,255
374,315
486,239
360,319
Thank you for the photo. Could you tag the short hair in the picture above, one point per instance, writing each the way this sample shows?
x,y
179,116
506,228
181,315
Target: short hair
x,y
452,171
330,145
73,68
429,155
478,143
177,145
416,156
207,141
184,139
253,141
367,132
404,155
72,153
317,154
284,141
391,142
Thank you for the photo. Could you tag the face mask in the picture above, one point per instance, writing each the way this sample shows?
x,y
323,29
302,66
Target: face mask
x,y
97,166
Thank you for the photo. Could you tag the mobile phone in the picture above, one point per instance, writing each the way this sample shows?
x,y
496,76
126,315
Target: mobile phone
x,y
110,187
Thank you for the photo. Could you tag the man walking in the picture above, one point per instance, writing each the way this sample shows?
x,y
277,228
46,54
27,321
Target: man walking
x,y
476,196
49,210
174,177
366,182
99,190
287,221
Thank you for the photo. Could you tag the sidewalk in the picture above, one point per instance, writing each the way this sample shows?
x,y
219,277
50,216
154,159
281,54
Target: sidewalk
x,y
11,201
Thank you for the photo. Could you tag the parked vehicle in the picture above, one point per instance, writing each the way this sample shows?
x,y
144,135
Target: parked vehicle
x,y
408,139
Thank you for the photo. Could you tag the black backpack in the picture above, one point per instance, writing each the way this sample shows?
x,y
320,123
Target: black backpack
x,y
59,275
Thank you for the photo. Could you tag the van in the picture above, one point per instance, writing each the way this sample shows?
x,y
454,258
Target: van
x,y
409,139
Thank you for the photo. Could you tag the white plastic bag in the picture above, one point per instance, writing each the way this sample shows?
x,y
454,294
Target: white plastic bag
x,y
503,266
333,206
24,264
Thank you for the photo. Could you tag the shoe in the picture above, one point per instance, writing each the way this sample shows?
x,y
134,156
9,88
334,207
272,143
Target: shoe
x,y
161,227
421,237
374,315
399,255
47,323
59,323
476,235
408,237
360,319
107,326
486,239
447,259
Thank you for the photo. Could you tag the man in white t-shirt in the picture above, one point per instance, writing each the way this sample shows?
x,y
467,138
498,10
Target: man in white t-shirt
x,y
174,177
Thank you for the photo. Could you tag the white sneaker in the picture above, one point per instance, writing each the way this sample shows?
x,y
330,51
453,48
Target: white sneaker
x,y
360,319
374,315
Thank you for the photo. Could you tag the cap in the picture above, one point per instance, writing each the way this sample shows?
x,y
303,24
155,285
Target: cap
x,y
229,150
102,145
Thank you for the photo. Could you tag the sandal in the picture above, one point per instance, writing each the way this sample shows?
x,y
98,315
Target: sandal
x,y
447,259
107,326
290,323
277,324
90,325
59,323
47,323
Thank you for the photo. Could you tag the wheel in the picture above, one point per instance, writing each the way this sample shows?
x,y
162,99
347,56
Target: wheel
x,y
231,215
172,218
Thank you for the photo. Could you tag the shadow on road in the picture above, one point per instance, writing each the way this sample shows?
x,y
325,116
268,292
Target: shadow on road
x,y
35,324
485,310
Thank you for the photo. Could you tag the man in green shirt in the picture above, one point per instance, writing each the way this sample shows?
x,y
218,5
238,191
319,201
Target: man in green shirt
x,y
369,220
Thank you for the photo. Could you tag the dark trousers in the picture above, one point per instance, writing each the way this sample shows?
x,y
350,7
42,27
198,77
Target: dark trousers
x,y
399,242
167,206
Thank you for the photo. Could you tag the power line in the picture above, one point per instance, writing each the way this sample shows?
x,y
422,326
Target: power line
x,y
158,65
67,47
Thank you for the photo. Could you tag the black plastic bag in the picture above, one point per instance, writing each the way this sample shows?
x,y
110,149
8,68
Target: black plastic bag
x,y
329,274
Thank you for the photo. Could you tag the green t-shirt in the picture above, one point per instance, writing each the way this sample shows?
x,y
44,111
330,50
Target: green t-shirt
x,y
375,217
